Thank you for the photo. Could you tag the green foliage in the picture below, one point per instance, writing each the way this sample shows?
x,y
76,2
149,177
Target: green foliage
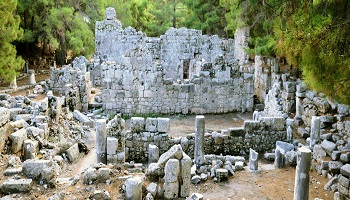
x,y
9,32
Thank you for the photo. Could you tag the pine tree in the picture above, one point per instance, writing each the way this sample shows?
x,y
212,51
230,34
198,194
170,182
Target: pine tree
x,y
9,32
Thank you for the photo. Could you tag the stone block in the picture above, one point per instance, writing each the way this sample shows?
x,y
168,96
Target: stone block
x,y
4,116
82,118
172,170
17,139
185,165
133,189
30,147
163,125
344,181
103,174
221,174
112,145
73,152
328,146
152,188
137,124
16,186
318,153
334,166
289,86
345,170
153,153
274,123
89,176
151,124
171,190
101,195
40,169
174,152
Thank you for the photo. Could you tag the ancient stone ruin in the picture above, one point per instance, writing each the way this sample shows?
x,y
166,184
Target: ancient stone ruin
x,y
90,130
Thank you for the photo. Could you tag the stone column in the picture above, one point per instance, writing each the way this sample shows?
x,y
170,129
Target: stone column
x,y
101,141
301,187
133,189
13,84
253,160
199,140
153,153
315,131
31,73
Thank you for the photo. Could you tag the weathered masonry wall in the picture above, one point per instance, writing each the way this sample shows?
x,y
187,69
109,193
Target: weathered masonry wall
x,y
182,71
259,135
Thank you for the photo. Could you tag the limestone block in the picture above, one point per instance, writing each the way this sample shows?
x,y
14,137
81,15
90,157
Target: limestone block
x,y
334,166
4,115
289,87
172,170
103,174
133,189
16,186
73,152
196,196
153,153
31,147
90,176
171,190
112,145
174,152
137,124
17,139
40,169
151,124
345,170
154,171
328,146
221,174
318,153
152,188
344,181
82,118
163,125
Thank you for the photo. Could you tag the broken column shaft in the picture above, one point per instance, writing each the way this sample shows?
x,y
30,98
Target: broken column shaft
x,y
301,187
101,141
199,140
315,131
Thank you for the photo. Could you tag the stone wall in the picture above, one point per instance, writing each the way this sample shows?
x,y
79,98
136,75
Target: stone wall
x,y
182,71
258,135
72,81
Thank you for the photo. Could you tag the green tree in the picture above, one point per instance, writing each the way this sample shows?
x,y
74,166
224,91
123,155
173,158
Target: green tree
x,y
9,32
208,16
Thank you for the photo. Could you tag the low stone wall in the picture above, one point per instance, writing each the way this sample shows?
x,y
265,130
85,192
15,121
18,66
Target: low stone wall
x,y
258,135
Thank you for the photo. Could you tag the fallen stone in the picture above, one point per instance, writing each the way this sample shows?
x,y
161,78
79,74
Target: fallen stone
x,y
89,176
152,188
133,189
4,116
196,179
329,184
345,170
174,152
103,174
101,195
17,139
44,170
12,171
221,174
73,152
318,153
154,172
328,146
239,165
16,186
195,196
82,118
